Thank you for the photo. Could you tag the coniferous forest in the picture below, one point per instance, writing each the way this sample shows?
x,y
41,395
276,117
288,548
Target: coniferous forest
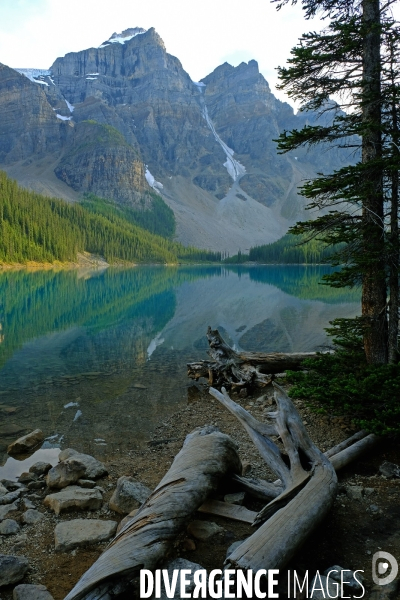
x,y
41,229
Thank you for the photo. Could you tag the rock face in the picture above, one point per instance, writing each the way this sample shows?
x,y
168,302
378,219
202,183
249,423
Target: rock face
x,y
81,532
128,495
26,443
75,498
125,117
12,569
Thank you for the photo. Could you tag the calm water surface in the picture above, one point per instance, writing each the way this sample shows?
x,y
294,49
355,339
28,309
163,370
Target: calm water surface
x,y
97,359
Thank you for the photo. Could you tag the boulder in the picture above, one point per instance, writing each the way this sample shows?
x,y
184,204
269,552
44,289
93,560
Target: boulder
x,y
5,510
12,569
81,532
65,473
93,468
40,468
26,443
203,530
75,498
128,495
3,490
9,527
31,592
31,516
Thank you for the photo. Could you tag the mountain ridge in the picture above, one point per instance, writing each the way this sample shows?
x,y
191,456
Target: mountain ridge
x,y
124,117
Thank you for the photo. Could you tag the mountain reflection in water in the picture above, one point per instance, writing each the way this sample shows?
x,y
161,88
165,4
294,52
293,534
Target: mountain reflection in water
x,y
97,359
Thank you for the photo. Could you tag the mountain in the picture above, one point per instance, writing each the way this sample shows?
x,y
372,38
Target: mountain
x,y
123,118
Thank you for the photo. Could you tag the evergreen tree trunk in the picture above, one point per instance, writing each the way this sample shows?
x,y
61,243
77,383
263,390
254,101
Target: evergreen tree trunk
x,y
373,284
394,242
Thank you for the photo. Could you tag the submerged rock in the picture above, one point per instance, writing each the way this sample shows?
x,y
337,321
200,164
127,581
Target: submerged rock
x,y
26,443
81,532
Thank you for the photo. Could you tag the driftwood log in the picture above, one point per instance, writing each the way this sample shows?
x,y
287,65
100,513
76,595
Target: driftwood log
x,y
242,369
309,485
306,488
206,456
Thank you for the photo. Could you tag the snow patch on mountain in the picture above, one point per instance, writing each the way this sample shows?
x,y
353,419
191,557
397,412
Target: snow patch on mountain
x,y
124,36
63,118
234,167
156,185
70,107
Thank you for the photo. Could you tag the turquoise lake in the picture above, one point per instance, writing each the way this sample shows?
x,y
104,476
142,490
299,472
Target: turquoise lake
x,y
97,359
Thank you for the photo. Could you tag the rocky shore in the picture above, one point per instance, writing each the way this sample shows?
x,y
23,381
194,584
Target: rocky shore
x,y
56,521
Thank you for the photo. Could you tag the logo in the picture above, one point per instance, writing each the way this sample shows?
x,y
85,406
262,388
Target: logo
x,y
383,562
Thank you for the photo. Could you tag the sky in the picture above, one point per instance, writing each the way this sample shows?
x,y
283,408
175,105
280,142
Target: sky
x,y
202,34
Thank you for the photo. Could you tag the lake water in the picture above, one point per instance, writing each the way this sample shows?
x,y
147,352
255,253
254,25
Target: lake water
x,y
97,359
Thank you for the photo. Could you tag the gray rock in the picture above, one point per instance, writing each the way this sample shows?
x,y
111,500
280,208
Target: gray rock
x,y
12,569
26,443
389,470
179,564
86,483
354,492
5,510
348,577
40,468
10,497
74,497
237,498
3,490
65,473
27,477
329,588
369,491
11,485
128,495
373,508
81,532
31,592
93,468
31,516
203,530
36,485
9,527
28,503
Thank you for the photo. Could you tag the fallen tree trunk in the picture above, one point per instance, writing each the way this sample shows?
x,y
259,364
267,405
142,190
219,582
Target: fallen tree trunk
x,y
206,456
340,456
309,485
242,369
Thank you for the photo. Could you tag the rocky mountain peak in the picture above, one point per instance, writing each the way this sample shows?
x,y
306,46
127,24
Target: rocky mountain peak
x,y
124,36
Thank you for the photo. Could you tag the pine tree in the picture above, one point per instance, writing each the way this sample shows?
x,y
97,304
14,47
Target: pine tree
x,y
353,60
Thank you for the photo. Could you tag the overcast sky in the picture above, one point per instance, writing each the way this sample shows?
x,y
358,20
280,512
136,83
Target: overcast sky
x,y
202,34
